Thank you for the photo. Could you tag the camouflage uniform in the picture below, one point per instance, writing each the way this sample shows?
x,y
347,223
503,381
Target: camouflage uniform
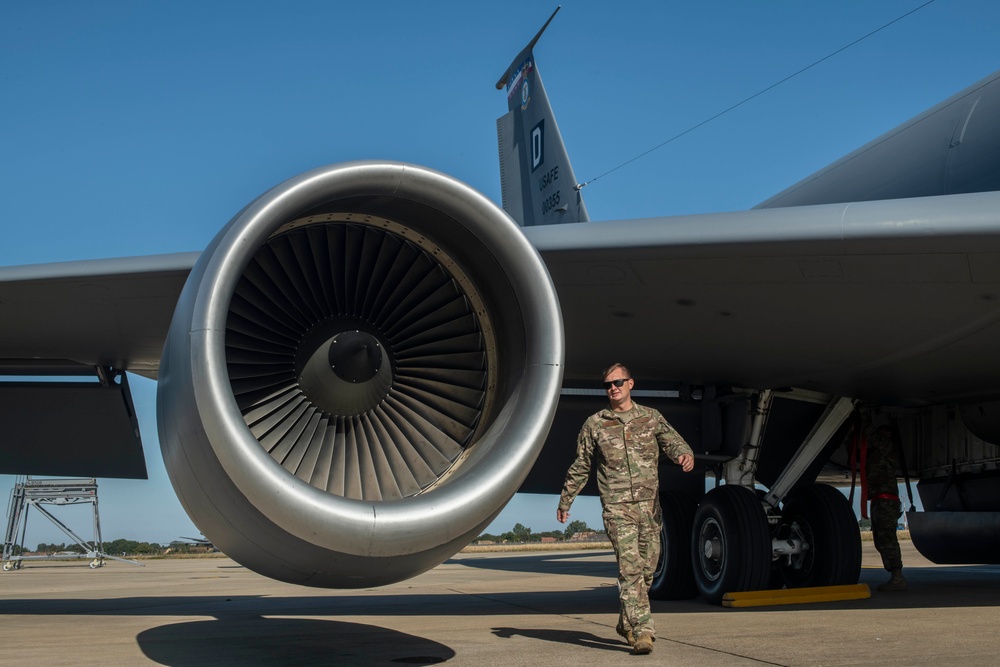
x,y
880,470
626,447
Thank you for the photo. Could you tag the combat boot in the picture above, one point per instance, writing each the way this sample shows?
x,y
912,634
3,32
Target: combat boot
x,y
896,582
644,644
627,634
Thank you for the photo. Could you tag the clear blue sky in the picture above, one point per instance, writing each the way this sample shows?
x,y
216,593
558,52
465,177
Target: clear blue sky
x,y
140,128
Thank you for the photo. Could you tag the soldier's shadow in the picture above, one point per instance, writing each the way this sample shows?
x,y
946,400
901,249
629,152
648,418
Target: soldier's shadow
x,y
576,637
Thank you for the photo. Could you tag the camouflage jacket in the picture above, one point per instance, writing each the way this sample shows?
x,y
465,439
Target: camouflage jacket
x,y
626,449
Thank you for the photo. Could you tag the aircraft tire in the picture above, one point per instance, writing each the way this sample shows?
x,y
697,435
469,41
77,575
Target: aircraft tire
x,y
826,521
731,545
674,578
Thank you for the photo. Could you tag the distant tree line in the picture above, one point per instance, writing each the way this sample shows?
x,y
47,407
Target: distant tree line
x,y
522,533
123,548
54,548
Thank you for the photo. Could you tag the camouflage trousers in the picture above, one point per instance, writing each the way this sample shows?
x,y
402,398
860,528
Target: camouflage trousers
x,y
634,531
885,513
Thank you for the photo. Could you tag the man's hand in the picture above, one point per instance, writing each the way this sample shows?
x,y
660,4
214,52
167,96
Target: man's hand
x,y
562,515
686,462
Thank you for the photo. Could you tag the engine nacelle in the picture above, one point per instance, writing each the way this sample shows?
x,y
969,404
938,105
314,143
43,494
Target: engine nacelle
x,y
360,372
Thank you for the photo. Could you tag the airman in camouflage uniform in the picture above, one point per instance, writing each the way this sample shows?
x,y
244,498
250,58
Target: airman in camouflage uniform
x,y
625,440
883,490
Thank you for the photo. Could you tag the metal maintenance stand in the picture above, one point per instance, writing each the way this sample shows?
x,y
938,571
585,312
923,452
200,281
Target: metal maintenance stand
x,y
52,492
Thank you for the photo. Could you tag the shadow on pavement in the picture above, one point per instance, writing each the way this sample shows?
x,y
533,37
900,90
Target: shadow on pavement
x,y
579,563
254,640
584,639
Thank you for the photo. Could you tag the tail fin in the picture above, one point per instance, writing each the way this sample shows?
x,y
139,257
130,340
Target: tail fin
x,y
537,180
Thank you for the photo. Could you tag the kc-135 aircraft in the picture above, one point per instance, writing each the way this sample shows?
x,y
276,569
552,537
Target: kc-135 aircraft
x,y
371,358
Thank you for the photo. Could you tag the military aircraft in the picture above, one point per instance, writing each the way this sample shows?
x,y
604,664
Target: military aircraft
x,y
371,358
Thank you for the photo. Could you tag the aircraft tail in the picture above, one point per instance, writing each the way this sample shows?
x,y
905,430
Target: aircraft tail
x,y
537,180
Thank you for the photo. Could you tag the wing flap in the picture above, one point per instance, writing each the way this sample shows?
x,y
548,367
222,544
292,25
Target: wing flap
x,y
77,429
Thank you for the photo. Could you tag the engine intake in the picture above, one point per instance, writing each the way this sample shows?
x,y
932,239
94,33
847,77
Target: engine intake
x,y
360,372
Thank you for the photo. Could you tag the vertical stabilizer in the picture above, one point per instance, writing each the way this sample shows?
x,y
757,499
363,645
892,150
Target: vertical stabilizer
x,y
537,180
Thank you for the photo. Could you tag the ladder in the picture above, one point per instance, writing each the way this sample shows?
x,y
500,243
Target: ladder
x,y
42,493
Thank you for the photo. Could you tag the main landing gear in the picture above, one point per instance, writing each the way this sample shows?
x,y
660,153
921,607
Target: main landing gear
x,y
819,537
731,545
674,579
734,544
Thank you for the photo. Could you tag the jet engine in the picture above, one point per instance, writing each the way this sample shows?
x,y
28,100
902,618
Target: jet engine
x,y
361,370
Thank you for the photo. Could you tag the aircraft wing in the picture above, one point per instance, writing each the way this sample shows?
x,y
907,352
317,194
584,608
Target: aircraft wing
x,y
891,301
71,320
895,301
68,317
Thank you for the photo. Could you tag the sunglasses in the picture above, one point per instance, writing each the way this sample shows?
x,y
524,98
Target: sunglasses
x,y
617,383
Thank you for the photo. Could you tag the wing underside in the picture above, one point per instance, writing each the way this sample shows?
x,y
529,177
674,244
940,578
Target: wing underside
x,y
65,317
895,301
69,332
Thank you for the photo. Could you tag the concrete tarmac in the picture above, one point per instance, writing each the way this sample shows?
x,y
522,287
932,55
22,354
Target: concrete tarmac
x,y
534,608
